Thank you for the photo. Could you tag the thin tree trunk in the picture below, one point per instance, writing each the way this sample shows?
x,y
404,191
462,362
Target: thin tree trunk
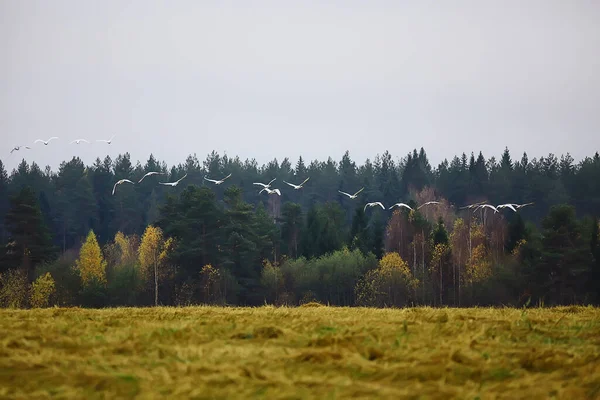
x,y
454,280
414,266
459,260
155,281
441,283
423,261
295,242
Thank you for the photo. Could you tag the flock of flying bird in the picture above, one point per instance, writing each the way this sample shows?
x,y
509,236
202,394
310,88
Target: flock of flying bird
x,y
266,187
46,142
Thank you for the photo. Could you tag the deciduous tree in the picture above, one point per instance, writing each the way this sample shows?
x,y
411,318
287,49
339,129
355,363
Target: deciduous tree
x,y
152,253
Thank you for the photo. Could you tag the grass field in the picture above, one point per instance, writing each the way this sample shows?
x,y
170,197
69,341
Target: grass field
x,y
306,352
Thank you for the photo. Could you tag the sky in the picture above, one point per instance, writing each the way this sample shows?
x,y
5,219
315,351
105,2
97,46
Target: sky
x,y
274,79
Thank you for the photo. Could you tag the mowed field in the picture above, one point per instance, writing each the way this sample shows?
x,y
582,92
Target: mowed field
x,y
305,352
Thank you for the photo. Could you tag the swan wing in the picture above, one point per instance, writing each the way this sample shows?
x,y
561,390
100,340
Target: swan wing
x,y
180,179
361,189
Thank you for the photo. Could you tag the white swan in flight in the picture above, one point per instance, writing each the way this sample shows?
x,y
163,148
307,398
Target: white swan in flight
x,y
482,206
428,203
376,203
352,196
109,141
276,191
472,205
46,141
173,184
507,205
296,187
119,182
77,141
17,148
268,185
217,182
150,174
401,205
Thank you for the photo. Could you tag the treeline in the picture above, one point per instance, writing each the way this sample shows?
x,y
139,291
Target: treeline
x,y
228,244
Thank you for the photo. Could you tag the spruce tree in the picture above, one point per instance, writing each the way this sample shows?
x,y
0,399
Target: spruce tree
x,y
359,233
29,241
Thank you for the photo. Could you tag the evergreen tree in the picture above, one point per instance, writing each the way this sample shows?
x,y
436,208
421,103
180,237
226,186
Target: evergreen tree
x,y
516,232
331,236
4,201
312,233
29,241
240,253
300,171
595,249
440,234
359,232
565,256
377,236
193,220
291,228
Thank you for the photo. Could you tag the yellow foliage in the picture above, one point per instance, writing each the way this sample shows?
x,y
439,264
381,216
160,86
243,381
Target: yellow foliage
x,y
517,250
272,279
211,282
479,267
167,248
477,234
123,244
13,288
391,264
127,246
41,291
391,283
210,272
90,263
153,250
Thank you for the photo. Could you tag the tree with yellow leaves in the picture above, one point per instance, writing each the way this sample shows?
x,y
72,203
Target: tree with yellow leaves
x,y
438,260
13,288
394,279
152,254
90,263
272,280
42,290
479,267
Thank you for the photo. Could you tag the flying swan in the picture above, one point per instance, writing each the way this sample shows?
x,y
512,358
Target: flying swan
x,y
352,196
119,182
150,174
296,187
173,184
45,141
217,182
376,203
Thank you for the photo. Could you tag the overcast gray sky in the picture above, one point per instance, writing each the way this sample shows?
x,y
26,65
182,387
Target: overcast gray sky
x,y
265,79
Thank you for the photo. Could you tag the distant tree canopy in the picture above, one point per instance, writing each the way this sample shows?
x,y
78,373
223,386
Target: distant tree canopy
x,y
229,243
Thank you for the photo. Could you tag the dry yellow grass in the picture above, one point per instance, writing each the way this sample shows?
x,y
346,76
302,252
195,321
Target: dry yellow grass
x,y
305,352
